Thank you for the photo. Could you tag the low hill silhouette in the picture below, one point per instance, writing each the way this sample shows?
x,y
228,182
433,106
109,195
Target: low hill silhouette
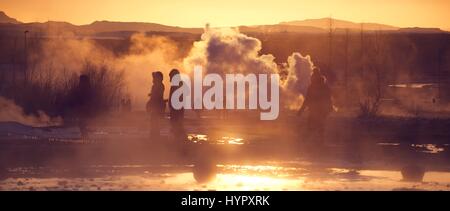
x,y
6,19
324,23
121,29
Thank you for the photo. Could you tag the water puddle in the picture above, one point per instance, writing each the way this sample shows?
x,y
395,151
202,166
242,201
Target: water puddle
x,y
205,139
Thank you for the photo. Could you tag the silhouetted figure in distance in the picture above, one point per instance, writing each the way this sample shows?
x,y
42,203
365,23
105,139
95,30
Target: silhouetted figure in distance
x,y
319,105
176,116
82,102
156,105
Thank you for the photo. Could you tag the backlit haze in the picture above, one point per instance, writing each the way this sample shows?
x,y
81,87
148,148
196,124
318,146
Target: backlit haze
x,y
401,13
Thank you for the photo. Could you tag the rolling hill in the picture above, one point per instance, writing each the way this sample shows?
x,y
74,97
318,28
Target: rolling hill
x,y
324,23
6,19
121,29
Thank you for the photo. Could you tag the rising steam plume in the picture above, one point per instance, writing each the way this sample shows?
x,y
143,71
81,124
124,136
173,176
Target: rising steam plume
x,y
227,50
11,112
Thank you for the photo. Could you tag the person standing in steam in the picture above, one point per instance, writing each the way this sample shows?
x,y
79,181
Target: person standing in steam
x,y
176,115
156,105
319,105
82,103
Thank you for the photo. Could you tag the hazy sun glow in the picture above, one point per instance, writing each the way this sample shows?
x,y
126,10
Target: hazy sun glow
x,y
195,13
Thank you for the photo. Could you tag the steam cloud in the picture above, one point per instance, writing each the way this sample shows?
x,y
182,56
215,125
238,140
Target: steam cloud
x,y
64,57
222,51
225,51
299,69
228,51
10,112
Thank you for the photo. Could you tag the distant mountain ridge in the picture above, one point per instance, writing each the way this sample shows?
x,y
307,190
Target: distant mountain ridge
x,y
6,19
324,23
109,26
120,29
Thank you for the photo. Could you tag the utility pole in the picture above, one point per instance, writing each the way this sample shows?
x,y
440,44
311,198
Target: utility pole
x,y
346,66
15,60
25,59
439,75
362,52
330,47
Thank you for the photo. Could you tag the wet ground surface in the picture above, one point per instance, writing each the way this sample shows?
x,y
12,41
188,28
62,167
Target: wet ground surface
x,y
258,177
124,159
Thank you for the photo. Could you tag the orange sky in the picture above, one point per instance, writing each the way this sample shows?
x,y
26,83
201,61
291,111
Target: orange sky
x,y
195,13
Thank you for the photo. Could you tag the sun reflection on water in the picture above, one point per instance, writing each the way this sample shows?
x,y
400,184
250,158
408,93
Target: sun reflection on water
x,y
235,177
203,139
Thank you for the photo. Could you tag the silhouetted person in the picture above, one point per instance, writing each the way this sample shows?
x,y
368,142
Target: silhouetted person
x,y
156,105
82,102
176,116
319,105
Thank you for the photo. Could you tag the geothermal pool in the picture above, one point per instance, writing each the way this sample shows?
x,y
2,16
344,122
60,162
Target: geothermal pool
x,y
258,171
271,176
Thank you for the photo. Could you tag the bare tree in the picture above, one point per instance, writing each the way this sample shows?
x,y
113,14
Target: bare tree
x,y
377,64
